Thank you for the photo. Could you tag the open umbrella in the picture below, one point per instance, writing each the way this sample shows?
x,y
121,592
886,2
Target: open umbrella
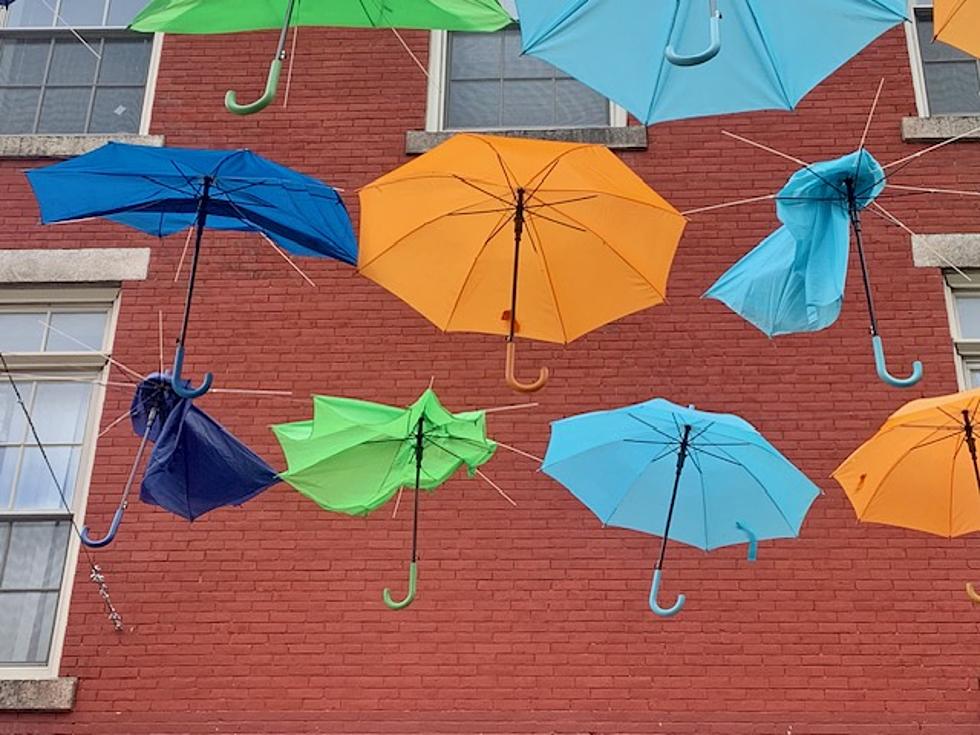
x,y
705,479
673,59
232,16
161,191
518,237
196,464
920,470
957,23
353,456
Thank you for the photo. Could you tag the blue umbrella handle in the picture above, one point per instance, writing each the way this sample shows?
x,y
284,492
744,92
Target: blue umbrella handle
x,y
886,376
413,574
972,593
753,541
108,538
655,592
704,56
183,389
271,84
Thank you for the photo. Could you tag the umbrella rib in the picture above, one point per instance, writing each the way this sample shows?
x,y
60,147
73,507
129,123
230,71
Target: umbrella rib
x,y
532,231
652,427
715,456
669,209
924,443
952,480
769,54
482,190
500,161
622,499
532,215
952,16
765,490
550,167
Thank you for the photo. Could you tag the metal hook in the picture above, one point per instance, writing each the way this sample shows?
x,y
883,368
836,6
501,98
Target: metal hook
x,y
399,604
887,377
753,541
704,56
512,380
655,606
108,538
271,82
181,387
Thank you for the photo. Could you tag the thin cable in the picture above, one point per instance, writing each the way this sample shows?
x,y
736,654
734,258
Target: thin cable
x,y
289,72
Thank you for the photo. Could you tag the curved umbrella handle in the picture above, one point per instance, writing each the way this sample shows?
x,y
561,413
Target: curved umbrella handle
x,y
512,380
753,541
413,574
177,382
887,377
972,593
271,84
110,535
704,56
655,606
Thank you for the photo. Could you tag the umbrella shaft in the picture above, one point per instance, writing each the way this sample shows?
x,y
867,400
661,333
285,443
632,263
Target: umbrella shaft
x,y
202,217
418,481
518,234
681,456
855,216
281,49
971,443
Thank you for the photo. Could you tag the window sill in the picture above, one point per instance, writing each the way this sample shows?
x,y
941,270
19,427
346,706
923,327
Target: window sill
x,y
962,250
65,146
939,128
632,137
38,695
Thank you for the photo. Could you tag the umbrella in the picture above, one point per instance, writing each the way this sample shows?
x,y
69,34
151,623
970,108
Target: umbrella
x,y
352,456
762,54
920,470
518,237
957,23
627,466
232,16
162,191
196,464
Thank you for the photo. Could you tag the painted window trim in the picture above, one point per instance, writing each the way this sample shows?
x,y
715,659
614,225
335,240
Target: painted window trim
x,y
915,61
965,351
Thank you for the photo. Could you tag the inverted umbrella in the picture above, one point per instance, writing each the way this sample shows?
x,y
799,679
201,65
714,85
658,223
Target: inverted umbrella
x,y
672,59
518,237
161,191
920,470
705,479
196,464
352,456
957,23
232,16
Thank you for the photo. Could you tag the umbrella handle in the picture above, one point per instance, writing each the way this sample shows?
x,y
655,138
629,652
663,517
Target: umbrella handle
x,y
271,84
655,606
886,376
413,574
512,380
972,593
110,535
753,541
180,386
704,56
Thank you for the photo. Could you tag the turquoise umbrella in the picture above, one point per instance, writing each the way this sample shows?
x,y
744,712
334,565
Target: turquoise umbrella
x,y
705,479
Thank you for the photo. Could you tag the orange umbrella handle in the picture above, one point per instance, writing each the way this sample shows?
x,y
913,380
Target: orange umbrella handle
x,y
972,593
512,380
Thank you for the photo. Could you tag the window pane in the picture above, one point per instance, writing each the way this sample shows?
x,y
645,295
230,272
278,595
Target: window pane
x,y
88,328
18,109
30,14
8,468
26,624
117,110
35,489
21,331
64,110
974,377
953,88
12,423
529,103
36,555
523,67
473,105
59,412
968,315
71,64
122,12
82,13
125,61
578,106
22,61
475,56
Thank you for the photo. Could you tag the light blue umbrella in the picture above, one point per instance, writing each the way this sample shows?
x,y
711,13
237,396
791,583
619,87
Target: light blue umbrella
x,y
675,59
705,479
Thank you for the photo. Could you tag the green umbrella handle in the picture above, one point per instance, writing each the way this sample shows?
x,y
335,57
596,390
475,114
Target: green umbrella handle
x,y
413,574
271,84
972,593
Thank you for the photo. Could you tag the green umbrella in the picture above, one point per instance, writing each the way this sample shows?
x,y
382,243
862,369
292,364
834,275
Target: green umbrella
x,y
352,456
233,16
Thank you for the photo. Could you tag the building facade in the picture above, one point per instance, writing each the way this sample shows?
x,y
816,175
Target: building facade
x,y
530,619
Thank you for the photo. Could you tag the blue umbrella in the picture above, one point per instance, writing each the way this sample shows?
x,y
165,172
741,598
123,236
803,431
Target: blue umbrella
x,y
705,479
760,54
196,464
162,191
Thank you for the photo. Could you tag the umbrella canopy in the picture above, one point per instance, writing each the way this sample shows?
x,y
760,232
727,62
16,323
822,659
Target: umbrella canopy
x,y
161,191
352,456
758,54
518,237
705,479
957,23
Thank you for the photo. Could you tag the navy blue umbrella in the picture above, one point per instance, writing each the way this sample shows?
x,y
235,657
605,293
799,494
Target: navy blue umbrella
x,y
162,191
196,464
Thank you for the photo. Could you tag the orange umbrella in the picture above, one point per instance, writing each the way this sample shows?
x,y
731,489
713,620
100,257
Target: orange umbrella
x,y
516,237
957,22
920,470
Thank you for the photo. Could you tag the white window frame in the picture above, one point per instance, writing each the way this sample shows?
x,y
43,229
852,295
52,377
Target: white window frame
x,y
965,351
435,108
11,299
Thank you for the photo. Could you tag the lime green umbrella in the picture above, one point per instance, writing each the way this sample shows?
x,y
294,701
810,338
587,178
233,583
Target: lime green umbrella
x,y
352,456
233,16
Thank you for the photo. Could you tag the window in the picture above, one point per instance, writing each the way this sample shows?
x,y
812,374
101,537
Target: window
x,y
51,346
69,66
948,80
481,81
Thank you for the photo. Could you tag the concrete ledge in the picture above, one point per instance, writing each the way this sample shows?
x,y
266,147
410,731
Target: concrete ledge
x,y
938,251
81,265
633,137
38,695
936,129
65,146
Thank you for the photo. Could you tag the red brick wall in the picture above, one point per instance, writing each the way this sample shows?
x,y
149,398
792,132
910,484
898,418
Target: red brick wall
x,y
531,619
